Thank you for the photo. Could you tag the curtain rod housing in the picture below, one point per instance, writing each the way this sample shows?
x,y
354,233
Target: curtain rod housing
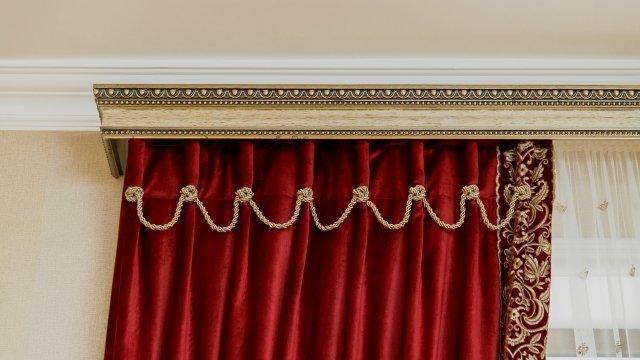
x,y
362,111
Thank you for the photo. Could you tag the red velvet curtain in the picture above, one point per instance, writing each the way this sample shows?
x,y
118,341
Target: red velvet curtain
x,y
361,291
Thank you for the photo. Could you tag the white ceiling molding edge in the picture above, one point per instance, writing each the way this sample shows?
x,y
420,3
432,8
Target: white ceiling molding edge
x,y
56,95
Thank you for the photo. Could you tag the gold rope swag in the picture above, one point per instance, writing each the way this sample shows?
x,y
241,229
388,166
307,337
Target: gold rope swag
x,y
189,193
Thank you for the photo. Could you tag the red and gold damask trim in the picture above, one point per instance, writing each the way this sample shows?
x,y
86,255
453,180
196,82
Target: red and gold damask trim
x,y
525,250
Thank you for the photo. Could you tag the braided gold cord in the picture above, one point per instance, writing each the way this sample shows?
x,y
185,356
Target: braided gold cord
x,y
189,193
360,194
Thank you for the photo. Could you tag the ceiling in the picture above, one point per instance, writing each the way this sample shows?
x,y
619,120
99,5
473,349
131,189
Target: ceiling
x,y
52,52
330,28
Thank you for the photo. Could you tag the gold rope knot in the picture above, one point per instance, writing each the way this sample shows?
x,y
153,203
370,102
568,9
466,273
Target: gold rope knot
x,y
244,194
523,192
133,193
189,193
471,192
417,193
305,195
361,194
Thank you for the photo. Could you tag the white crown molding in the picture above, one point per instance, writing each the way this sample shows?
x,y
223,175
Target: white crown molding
x,y
40,94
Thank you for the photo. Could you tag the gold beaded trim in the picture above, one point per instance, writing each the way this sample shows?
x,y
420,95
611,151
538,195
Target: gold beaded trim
x,y
189,193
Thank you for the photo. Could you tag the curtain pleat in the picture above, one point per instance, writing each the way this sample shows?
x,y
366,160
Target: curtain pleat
x,y
360,291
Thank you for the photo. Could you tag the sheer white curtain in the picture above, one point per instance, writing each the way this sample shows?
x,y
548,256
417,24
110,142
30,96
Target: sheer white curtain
x,y
595,294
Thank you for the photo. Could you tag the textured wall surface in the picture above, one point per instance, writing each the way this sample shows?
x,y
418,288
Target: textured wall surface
x,y
59,212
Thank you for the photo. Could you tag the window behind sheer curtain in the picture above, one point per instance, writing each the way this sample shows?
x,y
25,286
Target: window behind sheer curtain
x,y
595,296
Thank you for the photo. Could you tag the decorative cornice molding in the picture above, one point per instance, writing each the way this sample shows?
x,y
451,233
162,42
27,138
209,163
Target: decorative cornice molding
x,y
56,94
48,111
364,111
369,96
359,133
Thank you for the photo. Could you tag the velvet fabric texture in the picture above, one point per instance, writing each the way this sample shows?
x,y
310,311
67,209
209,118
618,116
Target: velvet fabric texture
x,y
360,291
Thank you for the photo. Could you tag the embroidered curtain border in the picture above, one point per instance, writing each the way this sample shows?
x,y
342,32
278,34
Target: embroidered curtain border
x,y
524,250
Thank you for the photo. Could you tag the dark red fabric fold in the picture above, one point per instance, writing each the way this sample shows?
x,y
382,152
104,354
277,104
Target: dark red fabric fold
x,y
360,291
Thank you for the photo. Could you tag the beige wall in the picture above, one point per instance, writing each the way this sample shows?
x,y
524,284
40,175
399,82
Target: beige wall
x,y
58,226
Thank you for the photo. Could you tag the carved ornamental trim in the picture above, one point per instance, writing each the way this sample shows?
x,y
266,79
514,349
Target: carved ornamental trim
x,y
366,111
367,96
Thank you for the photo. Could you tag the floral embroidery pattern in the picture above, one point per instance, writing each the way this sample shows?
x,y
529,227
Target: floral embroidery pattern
x,y
525,251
